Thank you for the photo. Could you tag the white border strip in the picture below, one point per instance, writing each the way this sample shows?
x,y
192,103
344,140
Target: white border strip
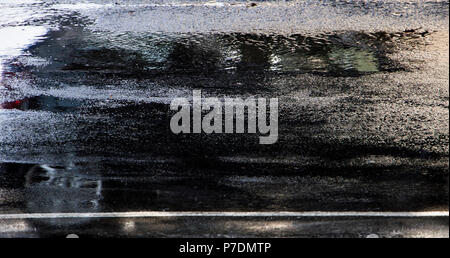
x,y
159,214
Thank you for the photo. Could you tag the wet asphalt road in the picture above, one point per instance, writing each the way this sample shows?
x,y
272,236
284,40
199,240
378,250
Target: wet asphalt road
x,y
229,227
363,117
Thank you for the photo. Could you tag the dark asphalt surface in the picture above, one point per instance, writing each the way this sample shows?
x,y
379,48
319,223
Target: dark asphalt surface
x,y
363,118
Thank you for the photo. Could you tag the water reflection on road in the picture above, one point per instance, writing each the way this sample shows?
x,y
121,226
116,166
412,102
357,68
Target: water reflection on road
x,y
84,114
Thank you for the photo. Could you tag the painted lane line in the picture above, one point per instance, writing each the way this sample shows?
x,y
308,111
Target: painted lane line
x,y
156,214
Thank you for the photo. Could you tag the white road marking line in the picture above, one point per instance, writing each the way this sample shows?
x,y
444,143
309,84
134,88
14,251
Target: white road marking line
x,y
156,214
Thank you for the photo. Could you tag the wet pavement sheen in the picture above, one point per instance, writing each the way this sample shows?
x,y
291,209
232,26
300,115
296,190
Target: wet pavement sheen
x,y
84,117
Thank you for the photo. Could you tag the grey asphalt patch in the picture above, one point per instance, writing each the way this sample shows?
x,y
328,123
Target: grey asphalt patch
x,y
227,227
